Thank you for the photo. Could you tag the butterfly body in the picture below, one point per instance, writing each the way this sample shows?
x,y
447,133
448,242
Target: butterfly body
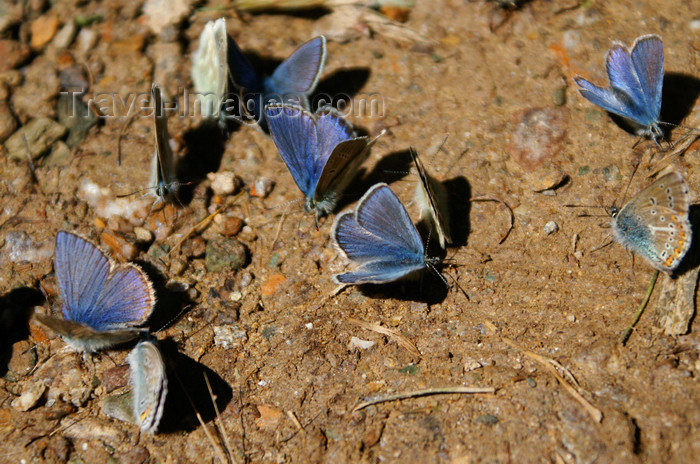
x,y
103,303
636,80
380,237
655,225
321,151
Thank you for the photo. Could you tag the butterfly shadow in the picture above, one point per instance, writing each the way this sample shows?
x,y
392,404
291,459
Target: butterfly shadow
x,y
423,286
679,94
205,149
15,309
188,393
339,90
170,305
458,193
692,257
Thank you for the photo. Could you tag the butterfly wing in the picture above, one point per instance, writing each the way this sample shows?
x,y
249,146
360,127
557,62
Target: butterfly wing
x,y
648,61
149,384
610,100
82,271
126,300
293,130
433,198
210,69
242,72
655,222
340,155
299,73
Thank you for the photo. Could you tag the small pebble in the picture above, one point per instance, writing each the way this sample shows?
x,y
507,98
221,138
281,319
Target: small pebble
x,y
31,394
271,284
229,336
471,365
40,134
8,122
223,183
571,318
262,187
246,279
225,253
20,247
43,30
360,344
162,14
550,227
177,266
231,225
538,136
194,248
115,377
87,39
119,406
13,54
65,36
143,235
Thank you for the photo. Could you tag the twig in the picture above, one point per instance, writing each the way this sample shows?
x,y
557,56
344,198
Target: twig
x,y
204,222
292,417
510,212
426,392
552,366
681,148
214,444
224,432
400,339
628,331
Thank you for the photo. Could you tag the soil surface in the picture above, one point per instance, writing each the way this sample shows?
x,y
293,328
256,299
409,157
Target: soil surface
x,y
246,300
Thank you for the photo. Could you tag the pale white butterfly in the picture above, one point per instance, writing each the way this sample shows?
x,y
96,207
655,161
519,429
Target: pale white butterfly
x,y
210,73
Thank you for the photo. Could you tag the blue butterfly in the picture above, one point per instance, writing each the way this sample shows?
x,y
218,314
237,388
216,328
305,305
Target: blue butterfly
x,y
636,78
380,237
103,302
149,385
292,82
320,150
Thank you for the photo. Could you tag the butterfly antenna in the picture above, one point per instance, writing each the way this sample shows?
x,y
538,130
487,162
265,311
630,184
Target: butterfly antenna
x,y
634,170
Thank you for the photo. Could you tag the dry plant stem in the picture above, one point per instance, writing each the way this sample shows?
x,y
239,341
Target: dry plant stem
x,y
214,444
510,212
400,339
197,227
551,365
628,331
426,392
222,426
678,151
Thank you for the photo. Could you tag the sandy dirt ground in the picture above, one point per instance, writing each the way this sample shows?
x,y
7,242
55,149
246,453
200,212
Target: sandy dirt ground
x,y
247,300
